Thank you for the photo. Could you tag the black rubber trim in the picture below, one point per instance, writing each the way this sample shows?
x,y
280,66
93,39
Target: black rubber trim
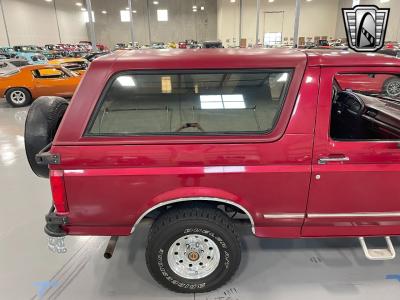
x,y
54,224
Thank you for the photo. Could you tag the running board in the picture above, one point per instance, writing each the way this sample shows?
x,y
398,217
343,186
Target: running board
x,y
379,254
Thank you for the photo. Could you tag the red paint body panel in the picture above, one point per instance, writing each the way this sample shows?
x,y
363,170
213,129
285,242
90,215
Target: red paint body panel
x,y
111,182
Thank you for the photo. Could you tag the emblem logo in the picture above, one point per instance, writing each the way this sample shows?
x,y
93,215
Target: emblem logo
x,y
366,27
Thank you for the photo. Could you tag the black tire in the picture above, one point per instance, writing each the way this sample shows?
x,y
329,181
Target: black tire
x,y
391,87
41,125
18,97
202,222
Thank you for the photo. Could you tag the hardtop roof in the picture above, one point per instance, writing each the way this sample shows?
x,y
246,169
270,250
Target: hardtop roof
x,y
226,58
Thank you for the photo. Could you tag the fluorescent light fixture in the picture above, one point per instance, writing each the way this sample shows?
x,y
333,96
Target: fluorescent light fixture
x,y
233,1
155,2
233,101
134,11
166,86
78,4
162,15
127,8
126,81
86,16
194,10
309,0
83,9
202,7
48,0
125,15
104,12
283,78
385,1
270,1
194,7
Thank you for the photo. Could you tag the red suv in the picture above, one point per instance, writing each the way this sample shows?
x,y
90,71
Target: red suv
x,y
198,140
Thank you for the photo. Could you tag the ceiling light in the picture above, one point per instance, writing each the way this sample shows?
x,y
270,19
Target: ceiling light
x,y
48,0
284,76
78,4
309,0
155,2
202,7
194,7
194,10
385,1
270,1
126,81
134,11
83,9
127,8
104,12
233,1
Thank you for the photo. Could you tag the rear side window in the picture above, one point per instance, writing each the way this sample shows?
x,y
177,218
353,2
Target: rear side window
x,y
225,102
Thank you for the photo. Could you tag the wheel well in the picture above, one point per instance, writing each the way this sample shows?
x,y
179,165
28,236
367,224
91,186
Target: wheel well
x,y
226,206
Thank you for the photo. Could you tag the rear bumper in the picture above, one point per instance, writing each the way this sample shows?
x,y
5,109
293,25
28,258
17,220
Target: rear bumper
x,y
54,224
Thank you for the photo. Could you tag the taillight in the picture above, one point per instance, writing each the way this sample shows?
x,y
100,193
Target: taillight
x,y
58,191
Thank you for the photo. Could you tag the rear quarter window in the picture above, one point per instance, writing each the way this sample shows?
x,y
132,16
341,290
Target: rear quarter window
x,y
184,103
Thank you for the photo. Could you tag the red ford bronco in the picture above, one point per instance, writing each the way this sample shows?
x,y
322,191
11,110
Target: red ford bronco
x,y
200,139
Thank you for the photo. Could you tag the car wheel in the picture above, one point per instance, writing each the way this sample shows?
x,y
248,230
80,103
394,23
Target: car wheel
x,y
42,121
193,249
392,87
18,97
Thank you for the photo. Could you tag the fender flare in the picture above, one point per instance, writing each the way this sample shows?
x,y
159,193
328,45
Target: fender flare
x,y
186,199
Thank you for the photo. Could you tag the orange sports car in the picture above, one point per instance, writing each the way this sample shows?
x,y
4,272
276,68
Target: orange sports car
x,y
30,82
78,65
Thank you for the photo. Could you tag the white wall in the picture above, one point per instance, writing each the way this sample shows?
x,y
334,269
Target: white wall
x,y
34,22
183,23
318,18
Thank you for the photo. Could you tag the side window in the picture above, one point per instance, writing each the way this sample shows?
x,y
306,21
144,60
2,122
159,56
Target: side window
x,y
191,103
366,107
49,73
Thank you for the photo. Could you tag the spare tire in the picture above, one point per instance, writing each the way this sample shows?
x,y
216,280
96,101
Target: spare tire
x,y
41,125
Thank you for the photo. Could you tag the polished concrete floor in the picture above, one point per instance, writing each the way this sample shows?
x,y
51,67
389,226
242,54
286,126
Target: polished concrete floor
x,y
270,269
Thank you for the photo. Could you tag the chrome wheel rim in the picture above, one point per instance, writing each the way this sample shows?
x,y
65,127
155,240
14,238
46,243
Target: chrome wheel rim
x,y
193,256
18,97
393,88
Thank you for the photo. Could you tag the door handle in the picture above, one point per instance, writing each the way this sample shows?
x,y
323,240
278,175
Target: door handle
x,y
325,160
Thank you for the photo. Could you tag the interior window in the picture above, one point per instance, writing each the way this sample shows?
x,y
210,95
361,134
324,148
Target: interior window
x,y
201,103
49,73
366,107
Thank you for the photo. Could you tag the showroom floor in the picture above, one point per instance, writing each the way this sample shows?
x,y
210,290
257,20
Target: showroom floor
x,y
270,269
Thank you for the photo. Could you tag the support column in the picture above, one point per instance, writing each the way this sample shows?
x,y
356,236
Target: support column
x,y
5,23
296,24
258,22
91,25
58,24
240,19
132,27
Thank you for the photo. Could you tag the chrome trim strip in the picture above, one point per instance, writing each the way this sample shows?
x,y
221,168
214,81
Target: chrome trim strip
x,y
195,199
352,215
284,216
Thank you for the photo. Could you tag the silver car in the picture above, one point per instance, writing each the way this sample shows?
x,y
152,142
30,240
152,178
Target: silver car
x,y
9,66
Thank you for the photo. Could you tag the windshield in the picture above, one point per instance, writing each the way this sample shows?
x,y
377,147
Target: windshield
x,y
383,86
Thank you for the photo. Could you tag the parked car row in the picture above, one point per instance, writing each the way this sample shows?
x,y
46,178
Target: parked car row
x,y
187,44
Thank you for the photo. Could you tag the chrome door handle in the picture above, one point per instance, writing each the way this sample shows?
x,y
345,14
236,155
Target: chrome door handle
x,y
325,160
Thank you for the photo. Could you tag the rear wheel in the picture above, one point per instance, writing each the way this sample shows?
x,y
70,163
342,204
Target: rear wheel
x,y
392,87
193,249
18,97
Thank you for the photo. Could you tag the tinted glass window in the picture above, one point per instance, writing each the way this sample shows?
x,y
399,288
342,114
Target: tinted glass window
x,y
220,103
366,107
19,63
